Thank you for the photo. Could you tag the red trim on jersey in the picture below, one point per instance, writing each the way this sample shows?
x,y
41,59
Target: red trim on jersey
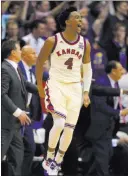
x,y
55,43
70,43
50,107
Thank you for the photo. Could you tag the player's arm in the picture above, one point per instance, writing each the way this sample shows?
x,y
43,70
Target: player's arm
x,y
87,73
42,58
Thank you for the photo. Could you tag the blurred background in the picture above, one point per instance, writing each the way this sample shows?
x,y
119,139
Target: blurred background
x,y
105,24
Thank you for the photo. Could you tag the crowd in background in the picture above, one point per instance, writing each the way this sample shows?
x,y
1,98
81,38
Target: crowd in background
x,y
104,24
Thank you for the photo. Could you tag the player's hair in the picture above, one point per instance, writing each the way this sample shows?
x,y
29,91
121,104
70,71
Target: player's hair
x,y
111,65
64,16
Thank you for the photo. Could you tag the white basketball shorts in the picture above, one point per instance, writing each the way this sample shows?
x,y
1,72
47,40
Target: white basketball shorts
x,y
63,99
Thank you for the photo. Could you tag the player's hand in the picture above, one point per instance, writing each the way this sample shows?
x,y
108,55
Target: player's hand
x,y
124,112
86,99
41,91
24,119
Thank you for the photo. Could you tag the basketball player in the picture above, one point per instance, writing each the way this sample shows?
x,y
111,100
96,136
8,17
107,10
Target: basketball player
x,y
63,92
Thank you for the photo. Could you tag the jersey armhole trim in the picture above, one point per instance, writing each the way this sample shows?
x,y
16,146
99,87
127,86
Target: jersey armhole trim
x,y
84,47
54,44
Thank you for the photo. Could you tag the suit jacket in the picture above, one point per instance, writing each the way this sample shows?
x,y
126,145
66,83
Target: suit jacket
x,y
103,114
14,95
84,120
89,124
35,105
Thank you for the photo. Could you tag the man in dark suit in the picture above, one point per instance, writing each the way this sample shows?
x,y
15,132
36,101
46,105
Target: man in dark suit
x,y
28,56
104,113
76,149
14,100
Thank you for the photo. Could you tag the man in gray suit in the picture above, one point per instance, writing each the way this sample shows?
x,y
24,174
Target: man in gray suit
x,y
14,100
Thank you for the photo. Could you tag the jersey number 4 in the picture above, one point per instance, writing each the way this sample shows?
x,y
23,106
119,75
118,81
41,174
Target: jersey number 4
x,y
69,63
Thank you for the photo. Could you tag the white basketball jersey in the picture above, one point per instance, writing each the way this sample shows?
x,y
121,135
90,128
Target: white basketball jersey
x,y
66,59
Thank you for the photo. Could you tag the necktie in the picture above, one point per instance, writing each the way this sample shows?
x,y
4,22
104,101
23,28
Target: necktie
x,y
116,85
29,94
30,72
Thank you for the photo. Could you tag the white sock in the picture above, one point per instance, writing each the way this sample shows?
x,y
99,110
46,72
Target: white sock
x,y
54,135
65,141
51,154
